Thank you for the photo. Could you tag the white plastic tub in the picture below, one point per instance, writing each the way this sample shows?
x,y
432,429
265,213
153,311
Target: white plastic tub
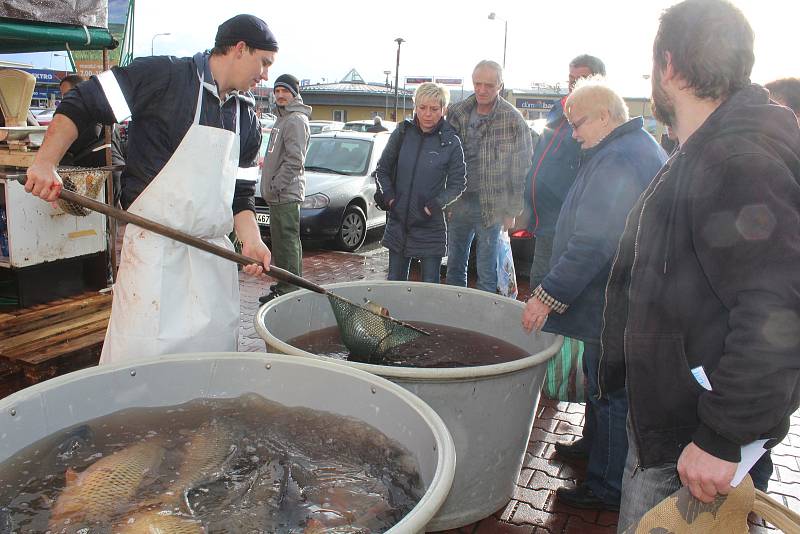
x,y
36,412
489,409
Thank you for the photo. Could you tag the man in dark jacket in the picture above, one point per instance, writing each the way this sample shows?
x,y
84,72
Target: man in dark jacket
x,y
553,170
420,173
618,160
701,317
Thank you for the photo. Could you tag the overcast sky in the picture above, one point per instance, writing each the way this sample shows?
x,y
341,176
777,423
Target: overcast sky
x,y
326,38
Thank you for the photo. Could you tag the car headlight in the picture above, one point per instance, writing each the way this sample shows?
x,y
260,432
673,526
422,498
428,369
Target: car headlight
x,y
315,201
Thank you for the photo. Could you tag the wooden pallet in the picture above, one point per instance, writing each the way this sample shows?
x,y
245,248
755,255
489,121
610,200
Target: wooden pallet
x,y
51,339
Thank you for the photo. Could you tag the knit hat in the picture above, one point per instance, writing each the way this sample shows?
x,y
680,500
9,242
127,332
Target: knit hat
x,y
248,28
288,82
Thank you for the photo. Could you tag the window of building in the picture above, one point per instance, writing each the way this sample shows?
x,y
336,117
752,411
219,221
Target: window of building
x,y
340,115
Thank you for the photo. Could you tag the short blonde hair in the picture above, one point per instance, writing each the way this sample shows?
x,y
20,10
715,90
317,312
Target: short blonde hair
x,y
433,91
592,95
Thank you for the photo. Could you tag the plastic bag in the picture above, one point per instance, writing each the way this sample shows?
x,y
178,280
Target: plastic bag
x,y
506,276
565,380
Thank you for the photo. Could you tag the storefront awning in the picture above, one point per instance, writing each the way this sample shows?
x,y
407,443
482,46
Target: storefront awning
x,y
27,36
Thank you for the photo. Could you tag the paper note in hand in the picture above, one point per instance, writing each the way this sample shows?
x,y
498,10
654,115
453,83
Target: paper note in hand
x,y
750,452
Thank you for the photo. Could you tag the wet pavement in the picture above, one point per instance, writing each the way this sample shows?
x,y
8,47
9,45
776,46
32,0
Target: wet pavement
x,y
533,507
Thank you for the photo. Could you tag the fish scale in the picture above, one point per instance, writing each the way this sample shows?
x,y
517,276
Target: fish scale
x,y
107,485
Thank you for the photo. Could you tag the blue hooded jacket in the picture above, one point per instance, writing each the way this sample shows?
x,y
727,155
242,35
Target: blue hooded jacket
x,y
430,172
553,170
610,179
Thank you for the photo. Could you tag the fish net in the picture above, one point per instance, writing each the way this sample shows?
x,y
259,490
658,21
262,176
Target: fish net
x,y
367,334
83,181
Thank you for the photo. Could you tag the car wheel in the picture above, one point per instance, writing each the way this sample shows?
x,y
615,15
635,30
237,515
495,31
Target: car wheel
x,y
353,230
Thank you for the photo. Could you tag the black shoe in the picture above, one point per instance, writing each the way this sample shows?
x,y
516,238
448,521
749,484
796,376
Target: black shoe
x,y
583,497
269,296
576,450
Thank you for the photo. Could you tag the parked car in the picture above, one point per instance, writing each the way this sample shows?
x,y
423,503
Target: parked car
x,y
324,126
267,121
361,126
44,116
339,200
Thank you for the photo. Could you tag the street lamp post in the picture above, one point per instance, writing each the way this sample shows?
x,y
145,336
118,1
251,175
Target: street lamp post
x,y
399,41
153,41
386,100
493,16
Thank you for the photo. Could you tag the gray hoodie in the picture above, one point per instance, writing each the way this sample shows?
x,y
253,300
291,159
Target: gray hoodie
x,y
283,178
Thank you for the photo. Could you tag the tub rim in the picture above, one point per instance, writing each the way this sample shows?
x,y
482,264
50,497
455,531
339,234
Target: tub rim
x,y
416,519
407,373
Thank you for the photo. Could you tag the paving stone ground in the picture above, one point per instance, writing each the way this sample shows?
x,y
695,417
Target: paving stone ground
x,y
533,508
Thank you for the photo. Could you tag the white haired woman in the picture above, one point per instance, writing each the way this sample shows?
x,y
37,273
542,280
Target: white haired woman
x,y
421,171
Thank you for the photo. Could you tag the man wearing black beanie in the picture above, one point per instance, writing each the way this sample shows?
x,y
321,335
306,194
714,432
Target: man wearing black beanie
x,y
283,180
193,125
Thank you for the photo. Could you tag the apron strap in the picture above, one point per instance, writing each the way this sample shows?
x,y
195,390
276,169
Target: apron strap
x,y
199,105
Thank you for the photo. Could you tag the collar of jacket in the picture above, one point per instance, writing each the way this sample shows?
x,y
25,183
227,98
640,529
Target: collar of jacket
x,y
636,123
210,85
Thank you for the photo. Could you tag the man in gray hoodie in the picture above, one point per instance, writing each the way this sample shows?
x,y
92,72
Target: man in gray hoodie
x,y
283,180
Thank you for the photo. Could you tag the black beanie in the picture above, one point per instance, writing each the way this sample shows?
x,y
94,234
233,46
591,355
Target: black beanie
x,y
287,81
252,30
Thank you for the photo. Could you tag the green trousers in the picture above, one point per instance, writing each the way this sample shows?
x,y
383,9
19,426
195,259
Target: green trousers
x,y
287,252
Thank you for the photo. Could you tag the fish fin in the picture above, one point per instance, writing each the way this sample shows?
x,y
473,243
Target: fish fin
x,y
71,476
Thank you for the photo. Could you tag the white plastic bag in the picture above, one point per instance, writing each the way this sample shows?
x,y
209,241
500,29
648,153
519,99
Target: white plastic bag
x,y
506,276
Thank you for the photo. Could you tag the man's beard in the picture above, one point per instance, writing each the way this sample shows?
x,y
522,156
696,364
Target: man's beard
x,y
663,108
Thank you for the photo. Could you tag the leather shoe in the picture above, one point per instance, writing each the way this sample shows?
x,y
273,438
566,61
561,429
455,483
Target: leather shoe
x,y
269,296
582,497
577,450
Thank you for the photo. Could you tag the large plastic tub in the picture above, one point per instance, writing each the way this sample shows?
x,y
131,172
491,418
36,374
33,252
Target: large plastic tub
x,y
489,409
41,410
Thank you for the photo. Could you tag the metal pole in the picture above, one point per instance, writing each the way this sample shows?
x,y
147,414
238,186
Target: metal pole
x,y
386,100
111,224
505,40
399,41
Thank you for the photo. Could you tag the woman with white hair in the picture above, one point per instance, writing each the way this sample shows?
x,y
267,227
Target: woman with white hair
x,y
421,171
618,160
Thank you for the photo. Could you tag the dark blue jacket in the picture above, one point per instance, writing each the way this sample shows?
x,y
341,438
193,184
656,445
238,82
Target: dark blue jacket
x,y
611,177
553,170
430,172
161,92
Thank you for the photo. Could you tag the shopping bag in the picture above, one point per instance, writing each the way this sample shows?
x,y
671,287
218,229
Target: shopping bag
x,y
506,276
565,379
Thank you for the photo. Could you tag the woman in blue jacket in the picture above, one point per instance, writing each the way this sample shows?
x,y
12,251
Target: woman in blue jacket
x,y
420,173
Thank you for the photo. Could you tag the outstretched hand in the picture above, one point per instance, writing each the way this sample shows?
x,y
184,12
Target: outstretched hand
x,y
704,474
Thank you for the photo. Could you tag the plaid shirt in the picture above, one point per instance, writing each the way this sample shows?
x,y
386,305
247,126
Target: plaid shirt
x,y
505,157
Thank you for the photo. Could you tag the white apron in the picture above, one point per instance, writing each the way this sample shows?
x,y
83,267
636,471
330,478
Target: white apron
x,y
169,297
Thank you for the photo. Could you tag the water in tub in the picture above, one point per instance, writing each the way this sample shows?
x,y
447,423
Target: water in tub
x,y
245,465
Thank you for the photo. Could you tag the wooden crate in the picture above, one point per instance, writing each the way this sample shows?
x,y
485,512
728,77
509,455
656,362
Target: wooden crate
x,y
51,339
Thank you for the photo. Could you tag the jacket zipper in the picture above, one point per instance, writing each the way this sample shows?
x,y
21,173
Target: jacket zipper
x,y
625,332
411,186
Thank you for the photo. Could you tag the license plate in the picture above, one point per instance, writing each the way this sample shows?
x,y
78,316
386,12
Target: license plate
x,y
262,218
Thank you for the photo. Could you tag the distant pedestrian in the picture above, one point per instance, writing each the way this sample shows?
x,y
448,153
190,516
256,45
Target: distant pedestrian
x,y
377,126
283,180
618,160
497,147
420,173
553,170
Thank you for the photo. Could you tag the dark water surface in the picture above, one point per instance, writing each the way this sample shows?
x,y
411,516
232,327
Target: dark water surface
x,y
245,465
447,346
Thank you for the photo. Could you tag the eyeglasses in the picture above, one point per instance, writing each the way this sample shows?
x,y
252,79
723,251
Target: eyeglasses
x,y
578,123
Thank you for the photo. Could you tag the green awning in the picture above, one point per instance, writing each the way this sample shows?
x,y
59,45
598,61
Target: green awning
x,y
26,36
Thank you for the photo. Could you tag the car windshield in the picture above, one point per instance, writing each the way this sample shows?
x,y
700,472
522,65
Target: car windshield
x,y
338,156
316,128
356,127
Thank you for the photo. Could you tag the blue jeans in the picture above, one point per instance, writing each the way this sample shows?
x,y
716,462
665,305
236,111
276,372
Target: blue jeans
x,y
609,442
466,224
429,267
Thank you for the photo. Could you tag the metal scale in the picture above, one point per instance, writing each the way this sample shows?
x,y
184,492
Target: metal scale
x,y
47,253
